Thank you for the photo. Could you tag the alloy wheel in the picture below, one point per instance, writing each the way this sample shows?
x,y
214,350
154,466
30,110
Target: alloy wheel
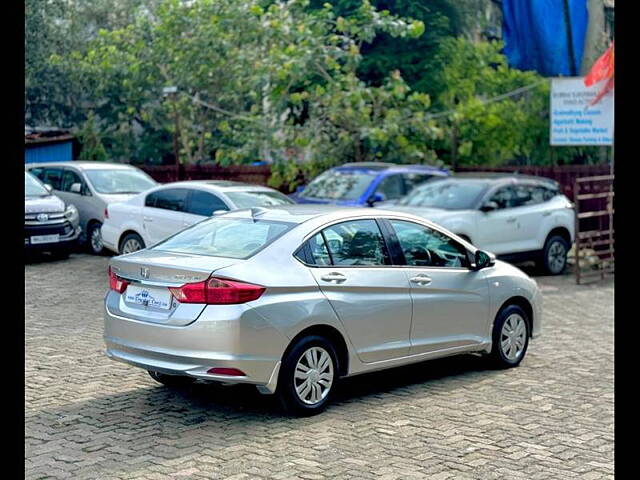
x,y
556,257
131,245
313,375
96,240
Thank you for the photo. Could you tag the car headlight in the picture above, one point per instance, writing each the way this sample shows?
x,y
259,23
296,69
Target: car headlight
x,y
71,212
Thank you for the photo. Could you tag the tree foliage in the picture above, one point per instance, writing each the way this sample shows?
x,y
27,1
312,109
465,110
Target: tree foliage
x,y
304,84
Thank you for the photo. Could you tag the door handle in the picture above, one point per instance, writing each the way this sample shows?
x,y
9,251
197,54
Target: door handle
x,y
511,220
147,219
421,279
333,277
546,214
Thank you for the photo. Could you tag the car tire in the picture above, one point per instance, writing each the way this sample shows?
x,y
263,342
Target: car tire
x,y
94,239
174,381
511,332
554,255
132,242
318,356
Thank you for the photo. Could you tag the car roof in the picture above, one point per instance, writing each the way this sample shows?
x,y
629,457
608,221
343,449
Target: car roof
x,y
500,177
219,185
85,165
301,213
390,167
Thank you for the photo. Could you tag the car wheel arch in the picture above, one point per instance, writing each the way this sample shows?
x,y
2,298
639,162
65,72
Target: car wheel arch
x,y
330,333
560,231
124,234
523,303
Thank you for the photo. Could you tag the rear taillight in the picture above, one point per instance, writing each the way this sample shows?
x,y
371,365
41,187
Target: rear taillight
x,y
116,283
217,291
106,212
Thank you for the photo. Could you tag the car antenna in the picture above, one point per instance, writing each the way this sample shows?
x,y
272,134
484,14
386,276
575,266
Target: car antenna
x,y
255,211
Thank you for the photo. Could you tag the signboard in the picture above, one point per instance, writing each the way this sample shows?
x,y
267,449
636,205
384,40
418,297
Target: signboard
x,y
573,121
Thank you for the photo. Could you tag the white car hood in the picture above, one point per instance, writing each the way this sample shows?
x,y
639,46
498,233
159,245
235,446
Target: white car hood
x,y
48,204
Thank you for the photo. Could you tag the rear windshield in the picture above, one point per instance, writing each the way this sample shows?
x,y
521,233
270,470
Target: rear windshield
x,y
248,199
339,185
222,236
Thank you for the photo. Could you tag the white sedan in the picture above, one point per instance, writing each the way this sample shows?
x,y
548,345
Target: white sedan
x,y
158,213
516,217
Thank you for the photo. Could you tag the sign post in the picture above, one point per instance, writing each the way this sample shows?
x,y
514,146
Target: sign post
x,y
574,121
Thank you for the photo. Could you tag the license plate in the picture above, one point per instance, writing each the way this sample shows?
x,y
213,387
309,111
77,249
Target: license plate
x,y
149,297
45,239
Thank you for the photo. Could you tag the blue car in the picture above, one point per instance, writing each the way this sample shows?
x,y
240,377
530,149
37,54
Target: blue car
x,y
365,183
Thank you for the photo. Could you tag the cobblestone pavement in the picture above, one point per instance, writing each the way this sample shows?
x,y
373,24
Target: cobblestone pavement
x,y
90,417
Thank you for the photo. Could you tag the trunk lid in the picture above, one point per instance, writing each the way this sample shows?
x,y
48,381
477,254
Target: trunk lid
x,y
150,274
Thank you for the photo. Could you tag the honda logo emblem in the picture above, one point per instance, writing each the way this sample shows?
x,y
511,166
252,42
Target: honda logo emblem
x,y
144,271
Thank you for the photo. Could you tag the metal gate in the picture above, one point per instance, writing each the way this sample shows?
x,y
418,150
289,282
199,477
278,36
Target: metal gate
x,y
594,258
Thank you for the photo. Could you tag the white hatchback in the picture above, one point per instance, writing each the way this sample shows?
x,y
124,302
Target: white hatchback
x,y
516,217
160,212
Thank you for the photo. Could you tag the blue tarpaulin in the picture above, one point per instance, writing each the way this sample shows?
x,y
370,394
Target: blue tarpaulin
x,y
535,35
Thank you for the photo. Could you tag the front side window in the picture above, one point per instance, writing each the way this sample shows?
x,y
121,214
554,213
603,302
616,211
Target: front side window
x,y
391,187
222,236
248,199
339,185
505,197
69,177
121,181
357,242
412,180
205,203
425,247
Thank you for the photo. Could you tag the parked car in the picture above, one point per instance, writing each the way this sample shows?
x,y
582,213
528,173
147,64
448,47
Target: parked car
x,y
293,298
160,212
49,223
365,183
91,186
519,218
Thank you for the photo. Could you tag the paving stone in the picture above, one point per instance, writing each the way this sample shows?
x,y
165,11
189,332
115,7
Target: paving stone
x,y
90,417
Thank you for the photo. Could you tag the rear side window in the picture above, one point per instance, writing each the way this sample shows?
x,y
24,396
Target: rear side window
x,y
357,242
174,199
223,236
205,203
411,180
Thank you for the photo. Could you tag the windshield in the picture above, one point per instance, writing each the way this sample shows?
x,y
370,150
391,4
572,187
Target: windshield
x,y
449,195
33,187
250,199
225,237
339,185
120,181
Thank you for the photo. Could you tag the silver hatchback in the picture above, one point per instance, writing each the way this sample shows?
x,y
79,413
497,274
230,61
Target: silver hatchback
x,y
293,298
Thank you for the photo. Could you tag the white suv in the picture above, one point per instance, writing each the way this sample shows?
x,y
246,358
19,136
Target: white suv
x,y
516,217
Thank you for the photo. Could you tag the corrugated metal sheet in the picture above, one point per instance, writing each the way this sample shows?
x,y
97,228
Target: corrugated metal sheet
x,y
55,152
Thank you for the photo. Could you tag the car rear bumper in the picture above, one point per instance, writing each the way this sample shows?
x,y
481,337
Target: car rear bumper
x,y
246,343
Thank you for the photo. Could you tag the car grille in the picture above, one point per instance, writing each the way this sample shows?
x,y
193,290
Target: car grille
x,y
62,229
31,219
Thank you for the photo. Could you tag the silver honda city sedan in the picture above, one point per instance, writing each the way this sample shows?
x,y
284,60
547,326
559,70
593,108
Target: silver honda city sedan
x,y
293,298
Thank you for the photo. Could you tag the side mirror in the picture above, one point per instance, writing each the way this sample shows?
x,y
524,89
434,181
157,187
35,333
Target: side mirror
x,y
489,206
376,197
484,259
48,187
220,212
76,188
